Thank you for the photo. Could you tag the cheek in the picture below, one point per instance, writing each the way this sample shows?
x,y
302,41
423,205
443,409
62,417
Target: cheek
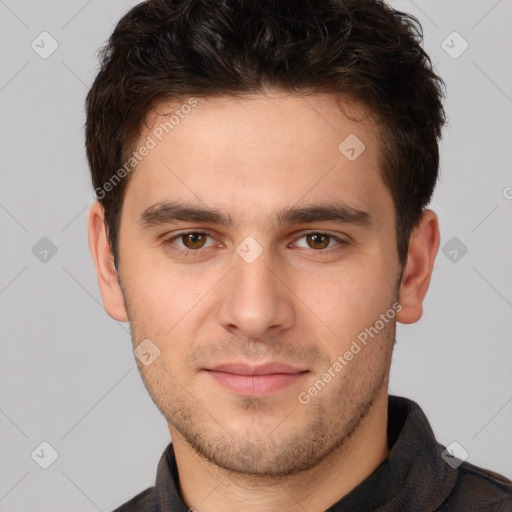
x,y
345,302
156,298
166,303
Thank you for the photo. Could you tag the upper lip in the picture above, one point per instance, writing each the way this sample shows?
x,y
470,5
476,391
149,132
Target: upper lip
x,y
250,369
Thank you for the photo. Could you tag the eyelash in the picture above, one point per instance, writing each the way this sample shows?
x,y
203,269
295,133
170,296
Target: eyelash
x,y
169,242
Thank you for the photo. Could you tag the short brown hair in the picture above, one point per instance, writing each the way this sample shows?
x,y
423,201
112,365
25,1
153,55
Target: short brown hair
x,y
164,50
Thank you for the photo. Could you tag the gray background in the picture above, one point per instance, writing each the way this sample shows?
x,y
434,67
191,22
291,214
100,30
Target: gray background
x,y
68,375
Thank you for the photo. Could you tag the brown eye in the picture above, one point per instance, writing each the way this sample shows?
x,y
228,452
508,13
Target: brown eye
x,y
194,240
318,240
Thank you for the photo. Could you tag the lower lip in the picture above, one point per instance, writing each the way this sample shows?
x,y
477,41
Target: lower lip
x,y
256,385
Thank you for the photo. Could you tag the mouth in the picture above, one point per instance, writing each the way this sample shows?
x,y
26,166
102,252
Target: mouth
x,y
256,380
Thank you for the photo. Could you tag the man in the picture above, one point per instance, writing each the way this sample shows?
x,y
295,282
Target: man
x,y
262,170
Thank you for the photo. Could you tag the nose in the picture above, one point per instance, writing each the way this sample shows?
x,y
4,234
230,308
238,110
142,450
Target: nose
x,y
255,299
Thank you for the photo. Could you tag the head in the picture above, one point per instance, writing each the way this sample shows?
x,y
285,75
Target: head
x,y
262,172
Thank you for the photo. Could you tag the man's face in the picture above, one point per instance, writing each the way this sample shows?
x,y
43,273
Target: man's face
x,y
270,277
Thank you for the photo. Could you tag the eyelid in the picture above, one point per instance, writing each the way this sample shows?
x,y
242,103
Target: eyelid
x,y
336,237
168,240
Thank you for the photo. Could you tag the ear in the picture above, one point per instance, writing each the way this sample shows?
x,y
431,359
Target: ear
x,y
103,257
423,246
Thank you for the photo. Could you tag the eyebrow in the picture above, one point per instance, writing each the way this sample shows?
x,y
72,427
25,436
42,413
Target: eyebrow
x,y
168,212
340,213
164,213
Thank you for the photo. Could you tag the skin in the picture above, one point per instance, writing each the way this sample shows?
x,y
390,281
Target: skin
x,y
303,300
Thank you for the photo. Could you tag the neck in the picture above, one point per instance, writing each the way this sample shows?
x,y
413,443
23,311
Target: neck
x,y
208,488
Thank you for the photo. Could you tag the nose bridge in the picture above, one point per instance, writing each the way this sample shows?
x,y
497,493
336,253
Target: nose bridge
x,y
255,299
255,277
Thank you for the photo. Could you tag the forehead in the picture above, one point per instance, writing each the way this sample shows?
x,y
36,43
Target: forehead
x,y
251,154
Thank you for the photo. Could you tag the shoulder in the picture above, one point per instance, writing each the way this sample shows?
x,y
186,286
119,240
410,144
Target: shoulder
x,y
143,502
477,489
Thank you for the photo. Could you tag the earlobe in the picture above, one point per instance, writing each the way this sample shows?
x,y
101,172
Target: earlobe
x,y
423,247
101,252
